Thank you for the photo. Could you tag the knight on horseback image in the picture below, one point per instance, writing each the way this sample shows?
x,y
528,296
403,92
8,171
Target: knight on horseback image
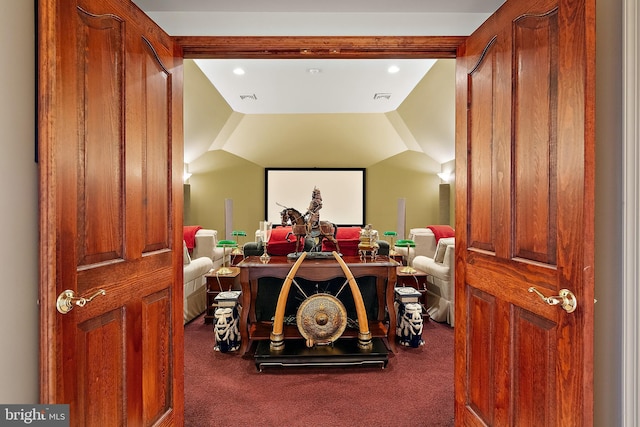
x,y
312,216
308,225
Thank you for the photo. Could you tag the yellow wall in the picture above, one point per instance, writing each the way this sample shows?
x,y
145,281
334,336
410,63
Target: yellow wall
x,y
451,167
410,175
206,113
229,171
429,111
227,177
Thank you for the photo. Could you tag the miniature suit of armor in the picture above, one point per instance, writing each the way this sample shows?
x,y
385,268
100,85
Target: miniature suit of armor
x,y
313,211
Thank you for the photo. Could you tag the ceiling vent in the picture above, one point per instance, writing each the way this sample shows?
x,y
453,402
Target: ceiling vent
x,y
252,96
386,96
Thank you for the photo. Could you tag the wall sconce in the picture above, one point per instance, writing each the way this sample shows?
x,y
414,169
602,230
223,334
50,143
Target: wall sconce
x,y
185,173
445,176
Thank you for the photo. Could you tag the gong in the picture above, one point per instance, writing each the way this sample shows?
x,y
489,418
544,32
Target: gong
x,y
321,319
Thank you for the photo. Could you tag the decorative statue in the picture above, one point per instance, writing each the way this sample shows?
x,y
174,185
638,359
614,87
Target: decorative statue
x,y
300,229
368,243
410,323
226,329
312,216
309,224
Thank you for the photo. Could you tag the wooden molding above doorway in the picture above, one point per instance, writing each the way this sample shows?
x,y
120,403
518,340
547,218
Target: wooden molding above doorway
x,y
332,47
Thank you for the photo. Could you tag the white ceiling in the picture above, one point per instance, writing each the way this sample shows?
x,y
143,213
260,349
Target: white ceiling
x,y
322,18
341,86
381,6
314,86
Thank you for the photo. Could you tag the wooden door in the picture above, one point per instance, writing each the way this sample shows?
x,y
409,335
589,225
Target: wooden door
x,y
110,159
525,191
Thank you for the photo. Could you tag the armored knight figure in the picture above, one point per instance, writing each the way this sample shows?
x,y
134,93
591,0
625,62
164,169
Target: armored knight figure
x,y
313,211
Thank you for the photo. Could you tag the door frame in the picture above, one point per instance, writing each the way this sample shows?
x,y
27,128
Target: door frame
x,y
630,373
318,47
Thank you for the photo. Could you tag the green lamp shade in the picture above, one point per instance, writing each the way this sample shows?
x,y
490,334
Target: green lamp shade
x,y
406,243
238,233
390,233
227,243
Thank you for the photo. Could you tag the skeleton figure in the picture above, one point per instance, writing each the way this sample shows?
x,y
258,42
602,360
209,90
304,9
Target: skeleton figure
x,y
226,329
409,329
313,211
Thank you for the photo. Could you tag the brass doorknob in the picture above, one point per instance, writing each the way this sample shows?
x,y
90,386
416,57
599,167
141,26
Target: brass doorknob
x,y
68,299
566,299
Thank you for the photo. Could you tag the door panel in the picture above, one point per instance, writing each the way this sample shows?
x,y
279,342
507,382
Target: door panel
x,y
111,161
482,344
156,355
156,111
482,86
100,118
535,110
524,182
534,362
98,336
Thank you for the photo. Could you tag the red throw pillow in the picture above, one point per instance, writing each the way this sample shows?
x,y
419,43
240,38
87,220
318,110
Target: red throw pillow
x,y
442,231
348,239
278,244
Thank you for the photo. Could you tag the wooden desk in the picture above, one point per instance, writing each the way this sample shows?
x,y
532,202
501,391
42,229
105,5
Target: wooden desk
x,y
252,269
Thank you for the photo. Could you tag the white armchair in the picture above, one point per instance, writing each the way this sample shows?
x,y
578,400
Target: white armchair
x,y
440,294
425,242
194,270
206,245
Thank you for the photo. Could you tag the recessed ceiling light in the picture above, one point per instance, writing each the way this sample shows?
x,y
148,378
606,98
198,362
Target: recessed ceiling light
x,y
393,69
238,71
314,70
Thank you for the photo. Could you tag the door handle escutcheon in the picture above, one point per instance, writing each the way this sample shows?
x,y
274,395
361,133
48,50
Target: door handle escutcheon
x,y
67,299
566,299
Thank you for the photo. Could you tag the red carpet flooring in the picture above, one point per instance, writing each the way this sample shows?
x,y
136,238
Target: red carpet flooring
x,y
224,389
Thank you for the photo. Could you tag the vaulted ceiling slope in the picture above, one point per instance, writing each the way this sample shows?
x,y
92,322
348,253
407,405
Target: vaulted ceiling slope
x,y
424,122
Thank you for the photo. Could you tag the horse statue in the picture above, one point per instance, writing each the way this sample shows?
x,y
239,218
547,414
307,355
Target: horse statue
x,y
300,228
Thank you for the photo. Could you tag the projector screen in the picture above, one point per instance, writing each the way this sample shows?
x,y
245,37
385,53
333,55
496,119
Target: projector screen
x,y
342,190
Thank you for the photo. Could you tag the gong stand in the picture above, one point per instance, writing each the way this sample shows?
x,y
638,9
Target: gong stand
x,y
321,320
364,335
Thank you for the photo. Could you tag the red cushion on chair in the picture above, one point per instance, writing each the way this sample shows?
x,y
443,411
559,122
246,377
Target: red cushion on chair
x,y
348,239
442,231
278,244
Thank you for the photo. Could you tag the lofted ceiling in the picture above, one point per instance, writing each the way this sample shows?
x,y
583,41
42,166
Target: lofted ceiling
x,y
355,106
313,86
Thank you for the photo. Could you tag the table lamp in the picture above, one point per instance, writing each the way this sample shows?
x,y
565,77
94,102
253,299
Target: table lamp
x,y
406,243
239,248
224,244
393,235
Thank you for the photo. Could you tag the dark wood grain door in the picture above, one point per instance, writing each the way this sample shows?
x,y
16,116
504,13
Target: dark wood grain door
x,y
110,158
525,216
